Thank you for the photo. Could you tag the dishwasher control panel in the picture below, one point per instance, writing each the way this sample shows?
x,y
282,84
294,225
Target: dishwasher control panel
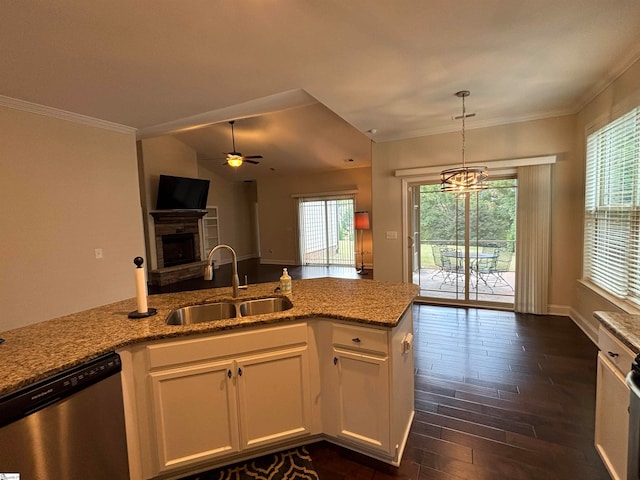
x,y
34,397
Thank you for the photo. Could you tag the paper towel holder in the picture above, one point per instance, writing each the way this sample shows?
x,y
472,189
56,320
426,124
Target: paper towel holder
x,y
138,261
150,312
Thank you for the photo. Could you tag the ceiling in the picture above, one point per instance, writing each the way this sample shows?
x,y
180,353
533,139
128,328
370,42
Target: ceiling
x,y
309,80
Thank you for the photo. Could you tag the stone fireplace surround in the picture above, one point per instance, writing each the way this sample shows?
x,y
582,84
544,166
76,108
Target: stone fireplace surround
x,y
172,228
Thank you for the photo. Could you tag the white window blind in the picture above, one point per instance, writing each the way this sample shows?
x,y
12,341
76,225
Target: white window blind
x,y
612,207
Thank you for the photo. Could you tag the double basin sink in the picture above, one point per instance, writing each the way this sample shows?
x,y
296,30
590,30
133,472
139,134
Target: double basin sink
x,y
208,312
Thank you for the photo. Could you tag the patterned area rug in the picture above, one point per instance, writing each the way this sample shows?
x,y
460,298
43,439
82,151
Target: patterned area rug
x,y
288,465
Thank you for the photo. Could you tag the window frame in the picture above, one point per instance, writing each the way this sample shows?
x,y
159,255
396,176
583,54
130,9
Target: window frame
x,y
611,255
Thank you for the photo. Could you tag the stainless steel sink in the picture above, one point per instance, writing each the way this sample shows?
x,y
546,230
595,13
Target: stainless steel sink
x,y
209,312
201,313
264,305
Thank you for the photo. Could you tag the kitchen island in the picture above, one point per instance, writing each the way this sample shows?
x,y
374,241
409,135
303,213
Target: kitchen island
x,y
337,365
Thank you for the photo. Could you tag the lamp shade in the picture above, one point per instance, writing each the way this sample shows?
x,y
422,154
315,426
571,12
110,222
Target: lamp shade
x,y
361,221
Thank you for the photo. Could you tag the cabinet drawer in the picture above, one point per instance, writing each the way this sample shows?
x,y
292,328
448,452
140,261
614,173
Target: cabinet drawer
x,y
225,345
360,338
615,351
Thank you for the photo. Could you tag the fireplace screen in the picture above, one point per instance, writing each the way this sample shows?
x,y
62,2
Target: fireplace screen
x,y
178,249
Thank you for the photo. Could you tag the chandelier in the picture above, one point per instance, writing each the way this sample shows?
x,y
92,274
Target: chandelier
x,y
463,179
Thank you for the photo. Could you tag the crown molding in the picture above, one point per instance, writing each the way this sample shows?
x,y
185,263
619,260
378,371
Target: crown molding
x,y
475,124
260,106
626,62
64,115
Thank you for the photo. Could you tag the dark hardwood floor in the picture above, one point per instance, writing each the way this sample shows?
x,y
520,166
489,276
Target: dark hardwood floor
x,y
256,272
499,395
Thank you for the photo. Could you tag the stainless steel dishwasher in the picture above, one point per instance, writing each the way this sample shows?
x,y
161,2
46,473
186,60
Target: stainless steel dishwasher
x,y
69,426
633,458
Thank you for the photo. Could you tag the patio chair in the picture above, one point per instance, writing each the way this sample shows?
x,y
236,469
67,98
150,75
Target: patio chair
x,y
452,266
503,265
483,268
437,259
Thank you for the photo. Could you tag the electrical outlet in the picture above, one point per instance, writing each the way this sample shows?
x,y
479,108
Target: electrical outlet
x,y
98,253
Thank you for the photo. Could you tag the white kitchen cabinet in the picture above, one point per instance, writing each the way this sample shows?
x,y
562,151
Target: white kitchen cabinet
x,y
368,387
195,413
213,396
612,403
274,397
200,401
361,379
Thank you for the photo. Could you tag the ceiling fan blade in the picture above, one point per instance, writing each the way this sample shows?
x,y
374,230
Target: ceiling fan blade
x,y
253,156
251,161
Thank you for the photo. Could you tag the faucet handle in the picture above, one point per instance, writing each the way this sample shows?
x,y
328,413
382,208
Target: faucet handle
x,y
246,283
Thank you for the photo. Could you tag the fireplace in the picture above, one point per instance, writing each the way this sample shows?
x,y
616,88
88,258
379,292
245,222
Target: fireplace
x,y
178,249
177,241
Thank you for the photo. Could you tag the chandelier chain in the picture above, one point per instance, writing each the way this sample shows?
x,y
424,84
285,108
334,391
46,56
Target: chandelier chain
x,y
464,114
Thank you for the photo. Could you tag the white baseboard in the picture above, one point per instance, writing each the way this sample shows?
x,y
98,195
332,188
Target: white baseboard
x,y
226,260
277,262
588,329
563,310
567,311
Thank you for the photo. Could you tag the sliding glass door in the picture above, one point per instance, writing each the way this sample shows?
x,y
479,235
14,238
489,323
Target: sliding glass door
x,y
466,243
326,231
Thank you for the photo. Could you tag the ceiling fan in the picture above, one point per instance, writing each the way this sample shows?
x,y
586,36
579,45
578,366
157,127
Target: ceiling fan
x,y
235,159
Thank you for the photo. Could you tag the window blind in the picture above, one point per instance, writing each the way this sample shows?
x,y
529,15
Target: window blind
x,y
612,207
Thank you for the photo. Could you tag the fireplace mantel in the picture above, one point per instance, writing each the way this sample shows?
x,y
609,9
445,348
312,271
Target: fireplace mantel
x,y
166,216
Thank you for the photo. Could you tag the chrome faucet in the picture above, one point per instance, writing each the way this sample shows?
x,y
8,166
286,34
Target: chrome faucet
x,y
208,269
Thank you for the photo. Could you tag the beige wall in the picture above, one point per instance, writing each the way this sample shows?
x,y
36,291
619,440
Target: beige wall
x,y
620,96
167,155
65,189
517,140
236,202
277,216
160,156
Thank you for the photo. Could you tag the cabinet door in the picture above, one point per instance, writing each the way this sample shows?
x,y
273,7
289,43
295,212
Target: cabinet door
x,y
612,418
195,413
362,403
274,396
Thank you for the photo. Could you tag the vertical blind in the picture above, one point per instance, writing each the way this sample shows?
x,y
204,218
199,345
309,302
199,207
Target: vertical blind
x,y
612,207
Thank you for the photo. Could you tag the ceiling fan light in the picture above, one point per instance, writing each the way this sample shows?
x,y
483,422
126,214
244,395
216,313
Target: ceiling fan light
x,y
234,160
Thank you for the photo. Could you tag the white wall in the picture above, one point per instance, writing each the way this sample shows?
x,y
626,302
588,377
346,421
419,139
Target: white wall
x,y
65,189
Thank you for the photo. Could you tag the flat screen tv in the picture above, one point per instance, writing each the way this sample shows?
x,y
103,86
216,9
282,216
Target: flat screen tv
x,y
180,193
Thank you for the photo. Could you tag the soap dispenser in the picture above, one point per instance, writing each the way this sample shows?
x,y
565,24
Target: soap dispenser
x,y
285,282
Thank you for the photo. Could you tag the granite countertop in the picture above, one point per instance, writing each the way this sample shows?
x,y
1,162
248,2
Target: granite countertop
x,y
624,326
37,351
